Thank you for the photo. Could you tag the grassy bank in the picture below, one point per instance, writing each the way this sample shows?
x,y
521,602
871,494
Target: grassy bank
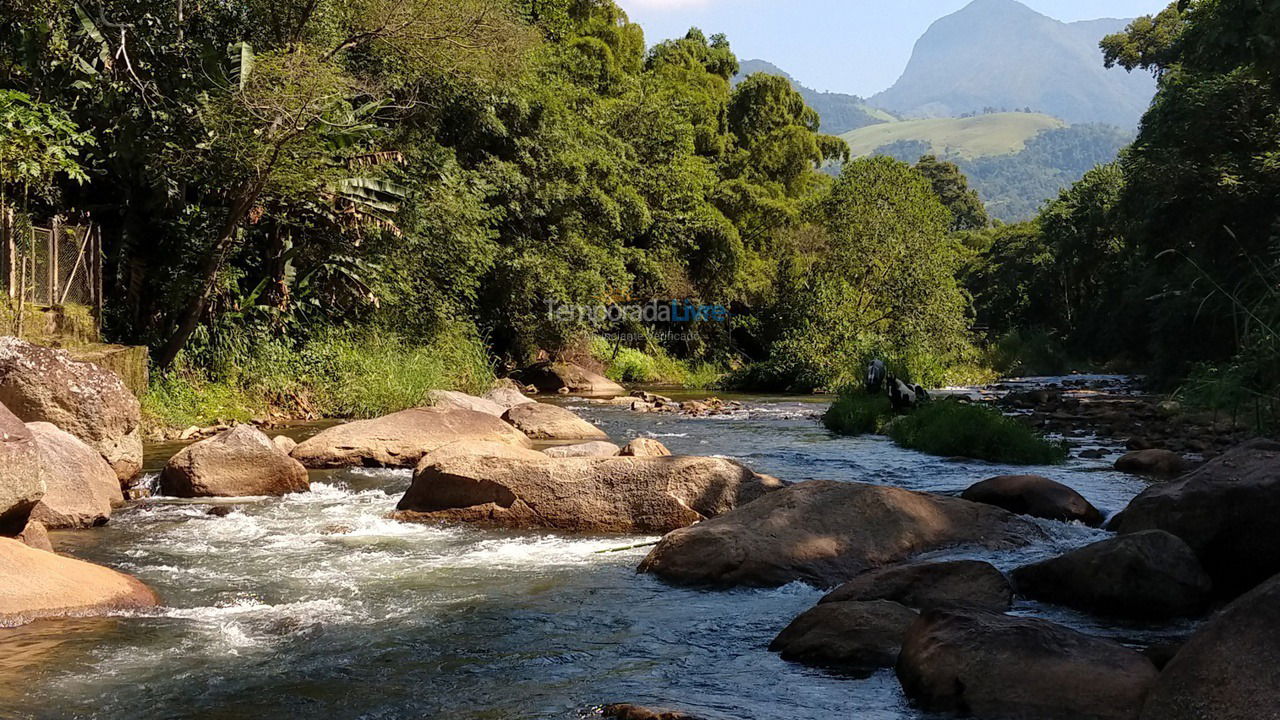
x,y
629,365
337,374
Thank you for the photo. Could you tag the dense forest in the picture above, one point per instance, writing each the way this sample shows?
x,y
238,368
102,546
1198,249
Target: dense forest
x,y
300,197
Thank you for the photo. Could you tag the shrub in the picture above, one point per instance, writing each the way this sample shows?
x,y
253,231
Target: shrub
x,y
857,413
949,428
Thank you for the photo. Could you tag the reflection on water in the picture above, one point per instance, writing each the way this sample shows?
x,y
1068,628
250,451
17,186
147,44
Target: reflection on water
x,y
316,605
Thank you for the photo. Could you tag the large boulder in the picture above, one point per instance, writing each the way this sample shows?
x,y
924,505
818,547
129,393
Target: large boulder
x,y
22,483
401,439
39,384
35,535
508,396
554,377
858,637
997,666
597,448
1228,669
644,447
825,532
931,586
1154,462
38,584
82,487
238,462
1227,510
541,421
1150,575
1036,496
454,400
505,486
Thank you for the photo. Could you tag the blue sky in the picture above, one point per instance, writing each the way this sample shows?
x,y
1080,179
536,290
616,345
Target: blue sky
x,y
853,46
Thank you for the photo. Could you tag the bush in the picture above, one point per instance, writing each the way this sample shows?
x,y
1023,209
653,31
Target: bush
x,y
857,413
949,428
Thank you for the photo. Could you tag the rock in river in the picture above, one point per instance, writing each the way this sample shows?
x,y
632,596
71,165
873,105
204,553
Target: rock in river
x,y
1228,670
42,385
551,377
37,584
401,439
239,462
931,586
1155,462
598,448
21,482
1149,575
1035,496
997,666
82,487
501,485
453,400
542,421
1227,510
859,637
645,447
825,532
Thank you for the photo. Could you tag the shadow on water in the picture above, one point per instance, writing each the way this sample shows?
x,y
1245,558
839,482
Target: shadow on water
x,y
317,605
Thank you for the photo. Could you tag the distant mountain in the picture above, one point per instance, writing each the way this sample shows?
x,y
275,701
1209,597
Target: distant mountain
x,y
1002,55
840,113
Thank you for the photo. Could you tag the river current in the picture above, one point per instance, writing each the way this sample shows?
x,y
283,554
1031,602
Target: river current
x,y
317,606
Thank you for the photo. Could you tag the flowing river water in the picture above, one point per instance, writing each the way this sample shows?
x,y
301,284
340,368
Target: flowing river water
x,y
317,606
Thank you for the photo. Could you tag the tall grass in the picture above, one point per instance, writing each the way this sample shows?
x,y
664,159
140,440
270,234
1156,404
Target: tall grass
x,y
954,429
629,365
336,374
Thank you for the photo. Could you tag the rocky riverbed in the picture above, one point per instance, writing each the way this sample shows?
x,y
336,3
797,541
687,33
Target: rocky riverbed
x,y
320,604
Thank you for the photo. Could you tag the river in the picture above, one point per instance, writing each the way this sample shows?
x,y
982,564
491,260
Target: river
x,y
317,606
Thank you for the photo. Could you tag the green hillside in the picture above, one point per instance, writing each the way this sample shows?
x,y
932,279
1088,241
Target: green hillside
x,y
970,137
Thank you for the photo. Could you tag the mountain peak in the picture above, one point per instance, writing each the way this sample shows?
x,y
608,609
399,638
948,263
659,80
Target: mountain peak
x,y
1001,54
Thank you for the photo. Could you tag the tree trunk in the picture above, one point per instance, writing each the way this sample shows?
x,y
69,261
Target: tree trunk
x,y
209,275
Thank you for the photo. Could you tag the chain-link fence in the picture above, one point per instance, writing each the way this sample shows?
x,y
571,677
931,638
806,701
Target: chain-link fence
x,y
53,265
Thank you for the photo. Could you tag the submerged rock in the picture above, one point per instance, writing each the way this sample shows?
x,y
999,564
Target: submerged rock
x,y
22,483
554,377
453,400
825,532
401,439
1147,575
627,711
859,637
997,666
500,485
38,584
1035,496
39,384
1227,510
82,487
1227,670
239,462
1160,463
599,448
931,586
541,421
645,447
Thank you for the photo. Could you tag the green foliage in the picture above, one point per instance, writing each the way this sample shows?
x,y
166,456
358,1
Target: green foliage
x,y
856,413
38,142
336,374
950,428
883,284
629,365
965,138
952,188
